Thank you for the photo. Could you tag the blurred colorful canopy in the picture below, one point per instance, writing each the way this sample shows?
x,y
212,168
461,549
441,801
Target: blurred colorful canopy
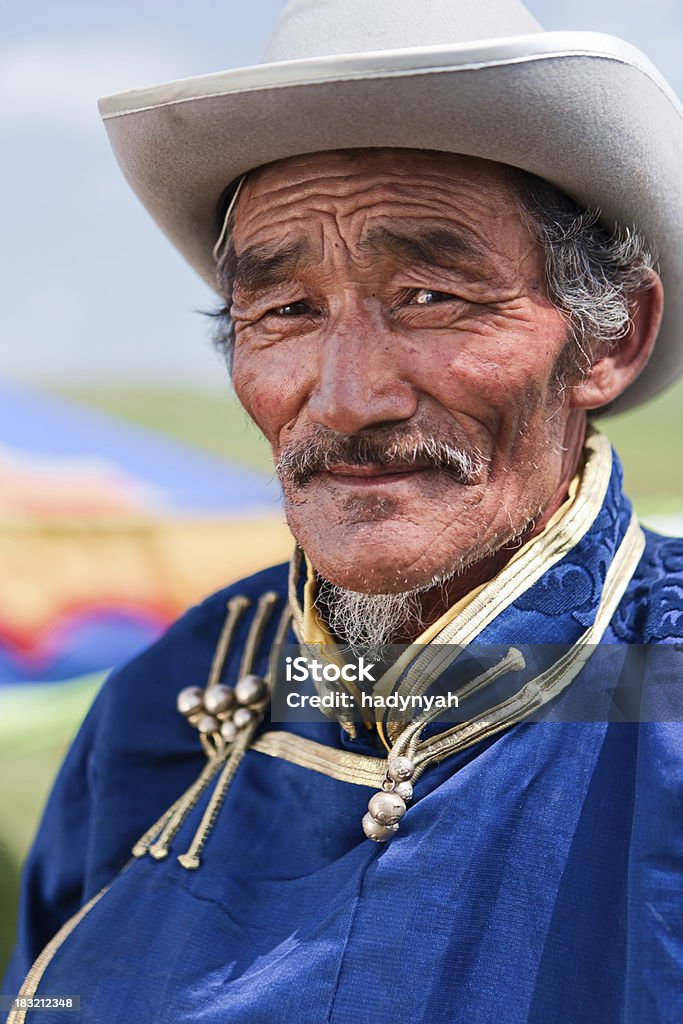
x,y
108,531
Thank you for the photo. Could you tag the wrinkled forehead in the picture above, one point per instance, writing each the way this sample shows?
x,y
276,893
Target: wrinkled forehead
x,y
364,182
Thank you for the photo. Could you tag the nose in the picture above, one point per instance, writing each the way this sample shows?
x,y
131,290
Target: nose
x,y
359,382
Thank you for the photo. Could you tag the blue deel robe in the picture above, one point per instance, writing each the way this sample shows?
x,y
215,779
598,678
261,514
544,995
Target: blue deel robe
x,y
535,878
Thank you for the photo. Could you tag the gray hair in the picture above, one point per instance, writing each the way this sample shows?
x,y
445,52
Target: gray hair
x,y
592,272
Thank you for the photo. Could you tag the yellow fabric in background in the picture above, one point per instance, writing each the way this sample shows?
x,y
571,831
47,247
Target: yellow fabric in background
x,y
48,568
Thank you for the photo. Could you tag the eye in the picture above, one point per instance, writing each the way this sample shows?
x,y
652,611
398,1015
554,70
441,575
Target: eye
x,y
292,309
429,297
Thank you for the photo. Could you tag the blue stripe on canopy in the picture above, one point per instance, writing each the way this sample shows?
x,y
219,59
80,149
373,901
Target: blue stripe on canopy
x,y
39,425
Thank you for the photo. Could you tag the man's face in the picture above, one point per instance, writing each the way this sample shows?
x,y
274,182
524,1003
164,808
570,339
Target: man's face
x,y
394,343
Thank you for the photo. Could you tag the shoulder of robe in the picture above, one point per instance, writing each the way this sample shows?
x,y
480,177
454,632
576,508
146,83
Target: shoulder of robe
x,y
652,608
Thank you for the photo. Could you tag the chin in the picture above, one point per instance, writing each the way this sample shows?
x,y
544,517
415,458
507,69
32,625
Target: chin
x,y
376,567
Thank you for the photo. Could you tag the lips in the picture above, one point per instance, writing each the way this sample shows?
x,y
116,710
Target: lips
x,y
374,474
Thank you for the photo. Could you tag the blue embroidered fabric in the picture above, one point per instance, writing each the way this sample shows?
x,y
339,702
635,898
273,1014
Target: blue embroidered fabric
x,y
535,878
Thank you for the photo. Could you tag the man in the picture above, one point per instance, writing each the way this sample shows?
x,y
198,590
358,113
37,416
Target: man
x,y
421,322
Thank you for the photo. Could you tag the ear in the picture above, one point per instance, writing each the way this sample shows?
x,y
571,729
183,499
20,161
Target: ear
x,y
616,366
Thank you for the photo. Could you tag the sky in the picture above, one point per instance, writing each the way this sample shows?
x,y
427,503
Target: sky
x,y
91,293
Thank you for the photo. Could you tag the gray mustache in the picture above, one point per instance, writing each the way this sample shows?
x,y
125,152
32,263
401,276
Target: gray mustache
x,y
300,461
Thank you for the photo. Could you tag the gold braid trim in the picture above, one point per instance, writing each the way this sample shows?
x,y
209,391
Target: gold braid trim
x,y
183,806
236,606
35,975
264,608
343,765
191,859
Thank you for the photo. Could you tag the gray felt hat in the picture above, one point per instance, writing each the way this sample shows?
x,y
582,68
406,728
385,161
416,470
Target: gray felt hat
x,y
586,111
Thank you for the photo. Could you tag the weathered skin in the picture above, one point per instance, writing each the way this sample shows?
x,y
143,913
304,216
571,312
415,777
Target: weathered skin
x,y
351,338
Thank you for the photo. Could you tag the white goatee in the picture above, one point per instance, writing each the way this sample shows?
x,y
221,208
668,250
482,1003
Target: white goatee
x,y
370,622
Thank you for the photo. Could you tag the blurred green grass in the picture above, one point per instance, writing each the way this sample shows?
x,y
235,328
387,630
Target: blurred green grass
x,y
213,422
648,442
37,724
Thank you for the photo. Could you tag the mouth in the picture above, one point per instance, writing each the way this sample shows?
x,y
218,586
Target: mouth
x,y
374,475
372,461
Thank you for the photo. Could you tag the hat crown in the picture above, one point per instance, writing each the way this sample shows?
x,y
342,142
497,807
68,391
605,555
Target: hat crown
x,y
321,28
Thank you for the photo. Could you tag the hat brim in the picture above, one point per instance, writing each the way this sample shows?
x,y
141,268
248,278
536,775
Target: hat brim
x,y
585,111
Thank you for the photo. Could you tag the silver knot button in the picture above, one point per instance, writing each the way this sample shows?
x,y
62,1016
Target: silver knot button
x,y
387,807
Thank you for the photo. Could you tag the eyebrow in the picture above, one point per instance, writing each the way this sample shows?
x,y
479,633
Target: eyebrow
x,y
432,246
261,266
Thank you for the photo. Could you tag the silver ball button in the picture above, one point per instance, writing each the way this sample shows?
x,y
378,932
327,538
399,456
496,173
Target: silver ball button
x,y
190,701
228,730
218,698
378,833
405,791
208,724
250,690
387,808
401,769
242,717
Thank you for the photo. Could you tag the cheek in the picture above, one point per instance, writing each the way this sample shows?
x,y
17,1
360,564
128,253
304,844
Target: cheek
x,y
271,390
491,377
484,386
